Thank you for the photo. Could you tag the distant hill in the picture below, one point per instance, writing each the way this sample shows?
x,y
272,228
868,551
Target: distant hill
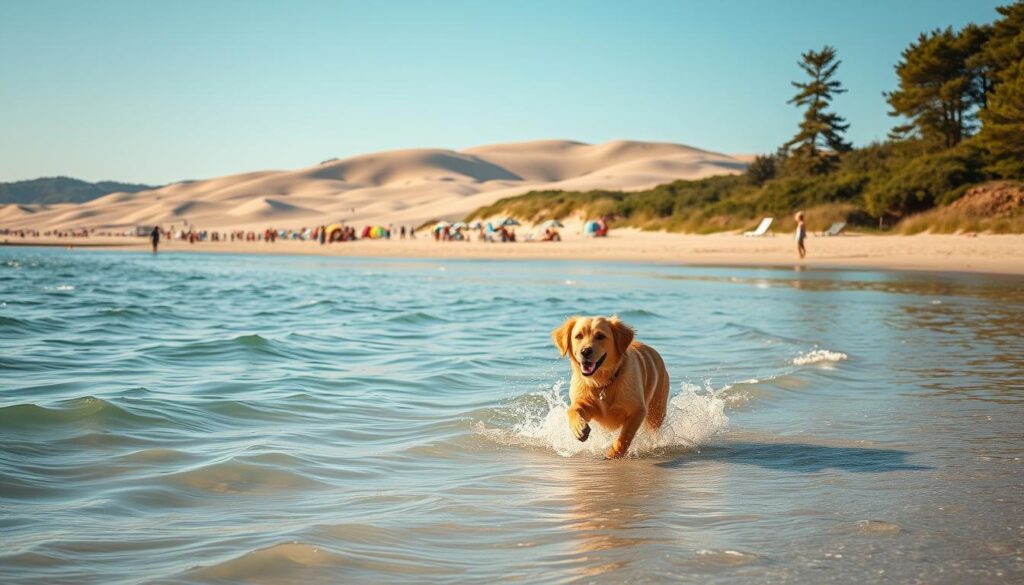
x,y
404,187
62,190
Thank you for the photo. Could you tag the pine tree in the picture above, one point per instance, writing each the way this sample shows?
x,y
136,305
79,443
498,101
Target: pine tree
x,y
942,85
1002,56
980,70
1003,132
821,132
1004,48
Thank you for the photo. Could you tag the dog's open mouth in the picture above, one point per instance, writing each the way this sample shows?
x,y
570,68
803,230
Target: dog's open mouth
x,y
587,367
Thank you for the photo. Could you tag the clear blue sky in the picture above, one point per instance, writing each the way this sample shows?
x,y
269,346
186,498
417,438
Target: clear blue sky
x,y
164,91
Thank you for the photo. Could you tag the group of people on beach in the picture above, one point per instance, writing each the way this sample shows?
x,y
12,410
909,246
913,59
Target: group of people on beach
x,y
445,233
551,235
344,233
347,233
32,233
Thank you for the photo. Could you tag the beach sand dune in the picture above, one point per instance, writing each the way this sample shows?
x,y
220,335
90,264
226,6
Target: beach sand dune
x,y
400,187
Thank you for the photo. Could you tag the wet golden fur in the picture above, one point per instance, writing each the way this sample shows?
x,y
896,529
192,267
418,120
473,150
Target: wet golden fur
x,y
627,389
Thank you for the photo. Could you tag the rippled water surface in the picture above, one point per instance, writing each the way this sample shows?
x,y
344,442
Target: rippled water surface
x,y
208,418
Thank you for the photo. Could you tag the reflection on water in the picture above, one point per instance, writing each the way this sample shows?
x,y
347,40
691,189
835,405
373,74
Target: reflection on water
x,y
274,419
803,457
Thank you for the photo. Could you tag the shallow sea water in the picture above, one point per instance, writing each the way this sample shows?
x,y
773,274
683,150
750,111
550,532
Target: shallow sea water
x,y
216,418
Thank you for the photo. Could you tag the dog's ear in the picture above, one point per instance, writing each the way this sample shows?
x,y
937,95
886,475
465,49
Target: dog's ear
x,y
562,335
623,334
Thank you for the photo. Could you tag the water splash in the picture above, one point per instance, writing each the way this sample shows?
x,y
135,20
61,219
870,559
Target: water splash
x,y
694,416
818,356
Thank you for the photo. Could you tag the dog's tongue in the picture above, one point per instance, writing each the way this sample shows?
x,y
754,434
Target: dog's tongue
x,y
587,367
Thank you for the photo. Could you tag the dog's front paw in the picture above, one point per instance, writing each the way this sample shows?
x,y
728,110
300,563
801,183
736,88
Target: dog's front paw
x,y
614,453
584,434
581,430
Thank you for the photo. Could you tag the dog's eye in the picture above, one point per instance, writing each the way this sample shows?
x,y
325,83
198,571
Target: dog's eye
x,y
600,336
579,336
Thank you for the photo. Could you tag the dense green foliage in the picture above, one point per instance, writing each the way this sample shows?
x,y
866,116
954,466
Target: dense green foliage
x,y
939,91
962,95
1004,49
762,169
1002,132
923,182
884,181
62,190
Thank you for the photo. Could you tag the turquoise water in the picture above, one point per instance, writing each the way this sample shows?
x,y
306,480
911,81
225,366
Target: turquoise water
x,y
217,418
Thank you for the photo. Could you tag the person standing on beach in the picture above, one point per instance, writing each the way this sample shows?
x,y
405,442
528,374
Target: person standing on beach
x,y
801,234
154,237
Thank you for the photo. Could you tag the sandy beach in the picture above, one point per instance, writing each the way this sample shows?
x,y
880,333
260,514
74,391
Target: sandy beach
x,y
995,254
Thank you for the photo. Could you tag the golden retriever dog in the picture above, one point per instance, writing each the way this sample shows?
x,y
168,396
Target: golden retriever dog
x,y
617,382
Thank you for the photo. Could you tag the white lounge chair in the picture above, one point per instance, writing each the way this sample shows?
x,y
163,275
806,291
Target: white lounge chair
x,y
836,228
762,228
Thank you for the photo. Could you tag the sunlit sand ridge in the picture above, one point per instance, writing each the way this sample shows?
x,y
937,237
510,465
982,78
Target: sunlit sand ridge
x,y
401,186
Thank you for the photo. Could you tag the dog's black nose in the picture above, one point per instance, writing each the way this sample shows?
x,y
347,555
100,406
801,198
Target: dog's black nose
x,y
586,351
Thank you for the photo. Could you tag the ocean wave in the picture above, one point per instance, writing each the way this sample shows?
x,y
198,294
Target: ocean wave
x,y
31,326
251,341
236,476
818,356
240,345
155,456
284,562
121,312
695,415
637,314
11,322
88,409
417,318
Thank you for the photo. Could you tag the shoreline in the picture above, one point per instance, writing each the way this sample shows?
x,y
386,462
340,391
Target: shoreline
x,y
984,254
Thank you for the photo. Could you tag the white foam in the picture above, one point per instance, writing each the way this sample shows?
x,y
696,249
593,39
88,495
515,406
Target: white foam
x,y
818,356
694,416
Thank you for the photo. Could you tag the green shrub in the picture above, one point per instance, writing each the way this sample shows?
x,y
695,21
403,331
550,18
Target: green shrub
x,y
924,182
883,180
761,169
